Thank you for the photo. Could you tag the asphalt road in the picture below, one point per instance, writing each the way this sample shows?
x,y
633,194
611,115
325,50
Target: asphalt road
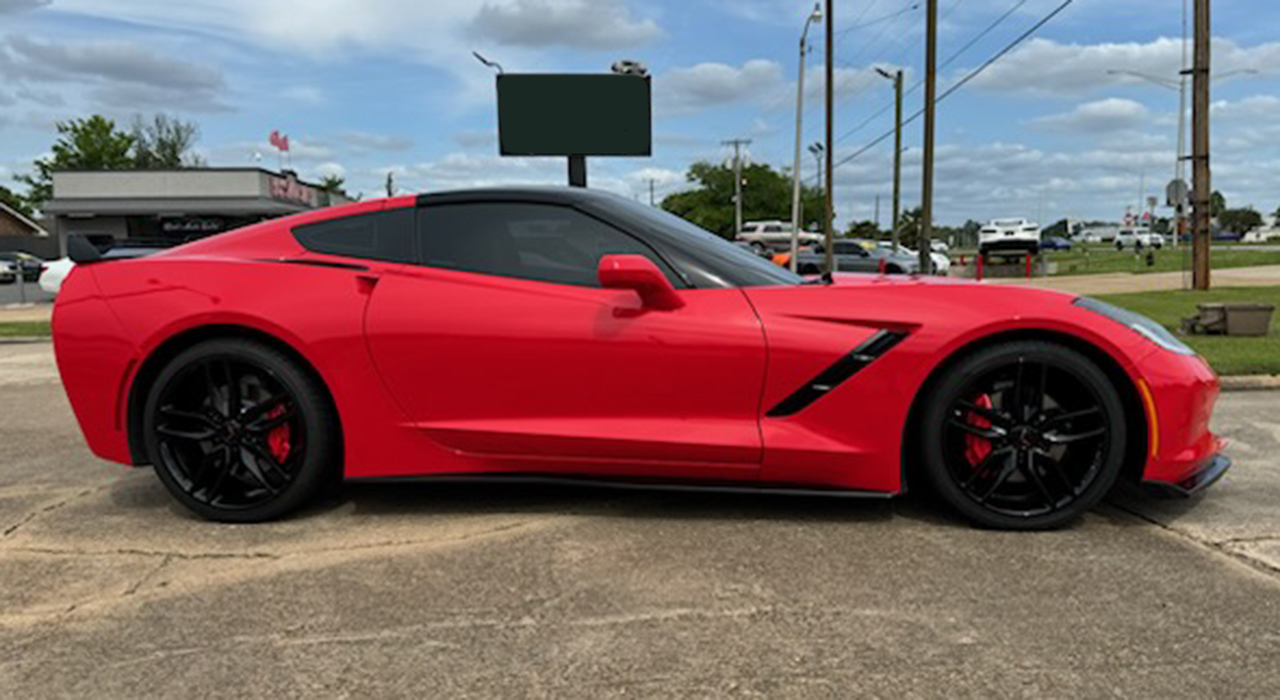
x,y
107,590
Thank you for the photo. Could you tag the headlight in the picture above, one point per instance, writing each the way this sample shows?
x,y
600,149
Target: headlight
x,y
1140,324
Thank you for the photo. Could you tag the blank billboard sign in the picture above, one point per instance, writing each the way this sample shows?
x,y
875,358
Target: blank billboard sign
x,y
574,115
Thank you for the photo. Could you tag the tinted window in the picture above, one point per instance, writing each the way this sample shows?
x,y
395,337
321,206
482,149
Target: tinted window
x,y
708,259
773,229
386,235
540,242
849,248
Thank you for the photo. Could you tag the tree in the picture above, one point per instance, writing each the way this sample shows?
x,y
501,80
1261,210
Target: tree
x,y
333,184
164,142
1059,228
1239,221
1217,204
15,201
766,194
864,229
83,144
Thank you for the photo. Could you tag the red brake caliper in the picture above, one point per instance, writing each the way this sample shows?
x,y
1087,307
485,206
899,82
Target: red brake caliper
x,y
976,448
278,438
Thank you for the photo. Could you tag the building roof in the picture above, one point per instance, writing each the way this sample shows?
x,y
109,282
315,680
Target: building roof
x,y
36,229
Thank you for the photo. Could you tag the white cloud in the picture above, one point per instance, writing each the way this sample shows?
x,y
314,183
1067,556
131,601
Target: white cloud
x,y
306,94
1111,114
584,24
706,85
15,6
1046,67
119,75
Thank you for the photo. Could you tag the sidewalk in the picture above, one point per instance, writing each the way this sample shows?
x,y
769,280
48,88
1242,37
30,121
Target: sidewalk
x,y
1121,283
33,312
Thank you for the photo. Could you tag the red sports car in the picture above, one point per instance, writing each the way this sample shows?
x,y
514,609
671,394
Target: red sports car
x,y
566,334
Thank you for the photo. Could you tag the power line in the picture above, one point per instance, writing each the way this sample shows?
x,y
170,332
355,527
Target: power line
x,y
951,59
878,20
963,81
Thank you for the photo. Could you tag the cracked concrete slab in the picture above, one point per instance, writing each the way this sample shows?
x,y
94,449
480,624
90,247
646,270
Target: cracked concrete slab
x,y
107,590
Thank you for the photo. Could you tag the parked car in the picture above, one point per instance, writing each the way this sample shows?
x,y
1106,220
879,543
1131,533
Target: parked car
x,y
758,251
8,272
1225,236
571,335
1009,237
53,274
1131,237
29,264
939,246
941,263
853,256
775,235
1056,243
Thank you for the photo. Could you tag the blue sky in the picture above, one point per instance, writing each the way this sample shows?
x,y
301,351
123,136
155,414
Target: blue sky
x,y
368,87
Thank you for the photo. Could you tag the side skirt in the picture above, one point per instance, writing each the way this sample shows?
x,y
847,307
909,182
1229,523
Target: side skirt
x,y
631,485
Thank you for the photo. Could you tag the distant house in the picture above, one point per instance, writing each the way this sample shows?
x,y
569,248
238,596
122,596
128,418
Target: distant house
x,y
13,223
1269,229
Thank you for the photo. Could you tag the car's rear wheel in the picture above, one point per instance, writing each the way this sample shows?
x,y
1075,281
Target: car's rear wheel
x,y
238,432
1024,435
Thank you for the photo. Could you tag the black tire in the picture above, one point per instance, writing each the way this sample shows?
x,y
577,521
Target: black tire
x,y
1032,475
810,270
893,270
244,472
758,248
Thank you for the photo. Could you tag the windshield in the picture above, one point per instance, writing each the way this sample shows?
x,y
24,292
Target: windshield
x,y
737,266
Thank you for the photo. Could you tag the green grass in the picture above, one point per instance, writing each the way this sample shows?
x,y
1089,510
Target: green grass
x,y
1101,259
18,329
1228,356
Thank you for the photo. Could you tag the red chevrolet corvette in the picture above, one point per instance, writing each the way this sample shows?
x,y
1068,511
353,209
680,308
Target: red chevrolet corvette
x,y
573,335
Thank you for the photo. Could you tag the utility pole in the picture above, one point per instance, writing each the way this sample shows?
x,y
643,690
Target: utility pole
x,y
930,110
831,146
1202,190
877,213
651,202
737,180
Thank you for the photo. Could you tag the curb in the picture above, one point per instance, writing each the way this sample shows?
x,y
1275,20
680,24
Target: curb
x,y
1251,383
22,339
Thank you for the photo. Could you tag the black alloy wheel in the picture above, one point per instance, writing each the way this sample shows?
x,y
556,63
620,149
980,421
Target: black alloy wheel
x,y
238,433
1025,435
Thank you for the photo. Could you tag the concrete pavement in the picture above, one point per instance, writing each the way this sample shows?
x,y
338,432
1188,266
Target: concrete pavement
x,y
1123,282
107,590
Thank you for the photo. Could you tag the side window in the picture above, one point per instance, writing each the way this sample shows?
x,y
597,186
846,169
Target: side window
x,y
773,229
541,242
385,235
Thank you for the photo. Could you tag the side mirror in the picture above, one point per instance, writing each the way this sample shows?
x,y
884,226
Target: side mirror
x,y
639,273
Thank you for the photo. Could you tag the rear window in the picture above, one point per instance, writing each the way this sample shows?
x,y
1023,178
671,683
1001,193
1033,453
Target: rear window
x,y
384,235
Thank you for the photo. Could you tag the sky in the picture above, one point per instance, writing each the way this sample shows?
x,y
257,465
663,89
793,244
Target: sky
x,y
376,86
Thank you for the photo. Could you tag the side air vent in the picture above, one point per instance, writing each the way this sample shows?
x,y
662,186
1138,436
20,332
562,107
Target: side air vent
x,y
837,374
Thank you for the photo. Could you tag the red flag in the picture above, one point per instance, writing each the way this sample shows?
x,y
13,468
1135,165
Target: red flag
x,y
284,143
275,139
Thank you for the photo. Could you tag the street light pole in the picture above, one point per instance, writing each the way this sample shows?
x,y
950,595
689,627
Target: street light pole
x,y
896,77
831,146
815,16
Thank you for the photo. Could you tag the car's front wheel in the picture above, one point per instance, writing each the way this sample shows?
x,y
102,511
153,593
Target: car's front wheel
x,y
238,432
1024,435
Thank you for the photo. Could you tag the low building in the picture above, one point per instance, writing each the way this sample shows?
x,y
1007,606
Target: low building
x,y
173,206
22,234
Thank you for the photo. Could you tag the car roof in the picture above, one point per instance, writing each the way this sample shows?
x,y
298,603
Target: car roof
x,y
545,194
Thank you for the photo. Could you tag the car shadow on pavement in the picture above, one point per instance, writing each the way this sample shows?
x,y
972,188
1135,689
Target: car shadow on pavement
x,y
140,491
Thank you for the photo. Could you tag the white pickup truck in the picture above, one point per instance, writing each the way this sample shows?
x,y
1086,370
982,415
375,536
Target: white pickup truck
x,y
774,235
1009,237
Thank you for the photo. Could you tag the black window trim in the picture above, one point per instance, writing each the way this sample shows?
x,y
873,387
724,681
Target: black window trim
x,y
424,203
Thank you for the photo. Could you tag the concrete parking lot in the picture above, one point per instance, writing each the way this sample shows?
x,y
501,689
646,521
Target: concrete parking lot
x,y
107,590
